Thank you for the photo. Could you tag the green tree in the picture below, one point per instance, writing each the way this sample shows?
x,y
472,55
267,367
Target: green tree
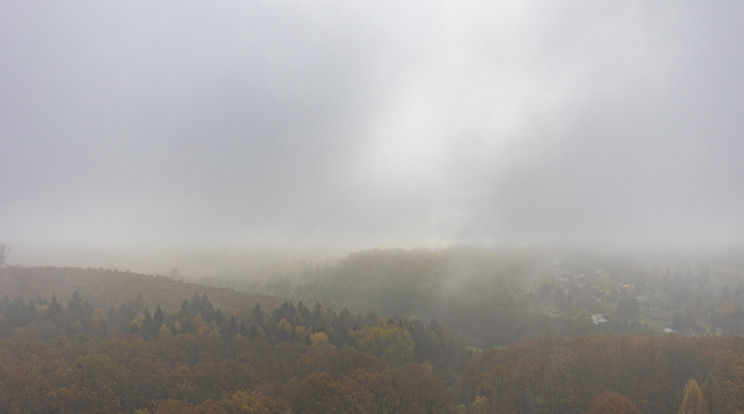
x,y
628,309
55,309
257,316
231,330
712,395
77,309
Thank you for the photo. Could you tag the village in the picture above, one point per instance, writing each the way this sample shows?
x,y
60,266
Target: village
x,y
632,296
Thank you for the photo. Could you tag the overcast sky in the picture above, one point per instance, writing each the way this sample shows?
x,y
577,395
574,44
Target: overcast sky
x,y
173,124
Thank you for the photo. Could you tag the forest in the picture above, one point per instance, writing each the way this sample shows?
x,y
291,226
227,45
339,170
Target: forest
x,y
452,331
388,207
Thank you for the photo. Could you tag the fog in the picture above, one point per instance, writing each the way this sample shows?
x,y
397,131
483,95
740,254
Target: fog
x,y
333,126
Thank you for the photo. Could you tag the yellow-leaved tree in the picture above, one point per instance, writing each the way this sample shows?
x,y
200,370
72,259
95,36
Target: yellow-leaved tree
x,y
389,342
692,399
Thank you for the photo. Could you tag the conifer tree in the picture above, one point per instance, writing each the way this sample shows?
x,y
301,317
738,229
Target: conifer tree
x,y
712,395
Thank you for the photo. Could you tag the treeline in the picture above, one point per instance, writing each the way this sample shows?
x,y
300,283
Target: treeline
x,y
102,287
71,357
478,294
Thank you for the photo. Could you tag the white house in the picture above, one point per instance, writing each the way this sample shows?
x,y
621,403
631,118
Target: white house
x,y
597,318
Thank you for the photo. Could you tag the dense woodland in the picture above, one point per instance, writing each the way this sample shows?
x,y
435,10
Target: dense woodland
x,y
73,358
119,350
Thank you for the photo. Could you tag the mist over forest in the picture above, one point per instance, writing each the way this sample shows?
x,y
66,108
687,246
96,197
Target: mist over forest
x,y
349,127
418,207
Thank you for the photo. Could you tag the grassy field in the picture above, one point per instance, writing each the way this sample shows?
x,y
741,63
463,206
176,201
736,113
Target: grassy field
x,y
656,319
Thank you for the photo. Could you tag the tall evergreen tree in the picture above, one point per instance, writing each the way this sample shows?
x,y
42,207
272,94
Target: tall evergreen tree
x,y
712,395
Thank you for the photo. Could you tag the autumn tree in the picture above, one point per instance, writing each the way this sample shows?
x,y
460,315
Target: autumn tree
x,y
610,402
243,402
22,277
319,342
319,393
692,399
389,342
420,391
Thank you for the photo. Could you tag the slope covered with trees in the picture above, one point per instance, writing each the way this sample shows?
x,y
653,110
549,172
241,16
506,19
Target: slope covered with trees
x,y
105,287
658,374
74,358
114,346
70,357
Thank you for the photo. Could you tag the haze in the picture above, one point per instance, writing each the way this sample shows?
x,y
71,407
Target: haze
x,y
166,126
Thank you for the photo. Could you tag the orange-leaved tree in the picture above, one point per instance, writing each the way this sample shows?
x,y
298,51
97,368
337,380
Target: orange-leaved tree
x,y
610,402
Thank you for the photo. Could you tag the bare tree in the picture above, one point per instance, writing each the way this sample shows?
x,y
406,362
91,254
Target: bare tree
x,y
175,274
4,251
22,277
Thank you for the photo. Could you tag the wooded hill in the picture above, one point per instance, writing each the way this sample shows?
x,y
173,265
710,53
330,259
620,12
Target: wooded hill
x,y
70,358
96,340
102,288
493,297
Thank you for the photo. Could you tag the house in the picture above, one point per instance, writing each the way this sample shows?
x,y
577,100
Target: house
x,y
597,318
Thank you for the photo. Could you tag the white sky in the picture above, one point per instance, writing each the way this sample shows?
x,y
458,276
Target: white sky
x,y
166,125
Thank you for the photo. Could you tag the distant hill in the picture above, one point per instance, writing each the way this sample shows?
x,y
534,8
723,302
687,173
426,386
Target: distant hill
x,y
106,287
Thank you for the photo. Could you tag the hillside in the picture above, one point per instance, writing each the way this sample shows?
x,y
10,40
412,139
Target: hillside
x,y
477,330
491,297
105,287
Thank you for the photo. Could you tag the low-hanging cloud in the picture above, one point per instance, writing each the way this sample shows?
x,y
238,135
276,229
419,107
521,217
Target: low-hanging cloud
x,y
338,123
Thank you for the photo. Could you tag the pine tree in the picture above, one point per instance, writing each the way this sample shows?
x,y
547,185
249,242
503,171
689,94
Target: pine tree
x,y
55,308
231,330
257,316
75,305
712,395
